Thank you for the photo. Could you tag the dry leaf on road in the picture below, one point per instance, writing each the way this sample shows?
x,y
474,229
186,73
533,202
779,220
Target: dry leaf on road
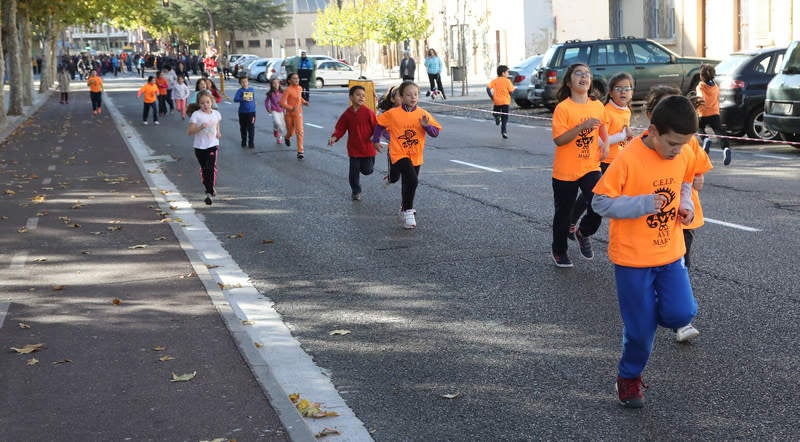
x,y
29,348
452,395
24,325
165,358
328,432
184,377
33,361
339,332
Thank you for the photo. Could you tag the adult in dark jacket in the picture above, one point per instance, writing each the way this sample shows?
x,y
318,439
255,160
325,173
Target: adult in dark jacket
x,y
407,67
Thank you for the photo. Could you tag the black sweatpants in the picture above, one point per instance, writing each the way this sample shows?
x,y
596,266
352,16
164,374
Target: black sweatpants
x,y
97,100
501,113
208,167
564,193
359,166
715,123
146,109
247,127
409,174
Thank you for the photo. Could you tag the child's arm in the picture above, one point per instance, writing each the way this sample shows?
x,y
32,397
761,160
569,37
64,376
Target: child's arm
x,y
430,125
237,97
573,133
490,92
686,207
603,131
339,129
625,206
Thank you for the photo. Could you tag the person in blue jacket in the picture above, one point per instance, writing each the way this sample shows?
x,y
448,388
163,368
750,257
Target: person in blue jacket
x,y
245,96
433,64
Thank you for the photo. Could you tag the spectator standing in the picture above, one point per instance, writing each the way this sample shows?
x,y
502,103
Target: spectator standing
x,y
407,67
305,69
433,64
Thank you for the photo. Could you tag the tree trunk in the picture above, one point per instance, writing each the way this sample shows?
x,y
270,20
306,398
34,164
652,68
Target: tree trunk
x,y
46,78
12,40
2,75
26,56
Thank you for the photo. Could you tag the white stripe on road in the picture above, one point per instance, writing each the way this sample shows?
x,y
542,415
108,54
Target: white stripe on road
x,y
476,166
18,261
3,311
51,168
735,226
777,157
32,223
47,181
314,125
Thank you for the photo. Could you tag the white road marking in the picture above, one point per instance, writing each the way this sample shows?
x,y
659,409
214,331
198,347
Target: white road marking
x,y
47,181
314,125
18,260
3,310
732,225
777,157
32,223
51,168
476,166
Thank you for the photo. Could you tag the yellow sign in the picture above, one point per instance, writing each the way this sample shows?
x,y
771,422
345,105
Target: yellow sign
x,y
369,87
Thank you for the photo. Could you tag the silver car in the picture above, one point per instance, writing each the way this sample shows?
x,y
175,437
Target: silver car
x,y
521,75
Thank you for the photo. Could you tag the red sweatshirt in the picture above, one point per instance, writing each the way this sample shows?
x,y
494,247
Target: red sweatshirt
x,y
359,125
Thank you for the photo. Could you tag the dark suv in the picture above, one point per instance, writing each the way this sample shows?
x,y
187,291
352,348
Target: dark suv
x,y
782,106
743,78
647,61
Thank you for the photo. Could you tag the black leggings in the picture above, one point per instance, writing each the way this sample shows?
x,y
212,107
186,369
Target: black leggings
x,y
501,112
564,193
360,166
208,167
247,127
581,204
436,83
146,110
97,100
715,123
409,173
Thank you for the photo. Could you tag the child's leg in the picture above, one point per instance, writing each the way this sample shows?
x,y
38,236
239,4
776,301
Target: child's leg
x,y
688,238
503,117
636,293
251,128
591,221
353,177
676,305
289,125
496,114
564,193
145,110
180,104
298,128
156,110
367,165
243,128
409,181
208,167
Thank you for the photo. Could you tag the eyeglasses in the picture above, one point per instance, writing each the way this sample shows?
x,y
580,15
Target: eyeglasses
x,y
622,89
582,74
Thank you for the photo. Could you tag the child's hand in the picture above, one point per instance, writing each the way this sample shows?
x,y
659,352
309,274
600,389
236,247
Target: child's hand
x,y
659,201
603,149
219,135
685,216
698,182
424,121
628,133
331,140
591,123
378,147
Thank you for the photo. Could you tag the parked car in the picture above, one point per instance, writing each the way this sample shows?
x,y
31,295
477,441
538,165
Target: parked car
x,y
743,78
276,68
521,75
233,57
332,73
237,66
782,105
257,70
647,61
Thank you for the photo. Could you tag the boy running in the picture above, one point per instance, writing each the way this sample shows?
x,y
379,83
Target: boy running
x,y
499,91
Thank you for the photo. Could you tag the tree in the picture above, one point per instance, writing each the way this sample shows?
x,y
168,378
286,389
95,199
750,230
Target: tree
x,y
401,21
2,75
12,40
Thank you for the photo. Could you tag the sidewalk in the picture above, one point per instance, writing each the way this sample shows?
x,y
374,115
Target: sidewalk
x,y
89,269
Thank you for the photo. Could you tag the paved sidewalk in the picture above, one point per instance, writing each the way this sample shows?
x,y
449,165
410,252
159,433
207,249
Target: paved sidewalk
x,y
89,269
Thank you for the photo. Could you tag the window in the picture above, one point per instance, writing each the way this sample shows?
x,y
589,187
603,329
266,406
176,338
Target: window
x,y
253,43
648,53
612,53
310,42
238,44
578,54
268,43
289,43
660,18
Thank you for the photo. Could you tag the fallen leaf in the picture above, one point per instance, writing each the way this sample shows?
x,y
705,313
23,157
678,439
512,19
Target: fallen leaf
x,y
328,432
173,207
113,228
138,246
39,259
33,361
184,377
248,322
63,361
307,408
78,205
65,219
85,252
30,348
452,395
22,230
45,213
159,348
75,226
9,192
116,301
339,332
236,235
57,288
294,397
165,358
267,241
258,344
189,275
38,199
164,192
160,238
211,266
24,325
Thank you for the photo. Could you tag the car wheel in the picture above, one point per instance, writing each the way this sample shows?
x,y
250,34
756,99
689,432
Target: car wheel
x,y
262,78
756,127
525,104
319,84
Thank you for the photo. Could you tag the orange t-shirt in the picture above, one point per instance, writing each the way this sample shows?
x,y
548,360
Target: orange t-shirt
x,y
162,84
95,84
651,240
617,120
700,164
710,96
150,91
406,134
501,91
581,155
293,98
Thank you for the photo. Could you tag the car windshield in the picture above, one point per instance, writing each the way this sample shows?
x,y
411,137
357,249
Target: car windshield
x,y
791,62
528,63
731,64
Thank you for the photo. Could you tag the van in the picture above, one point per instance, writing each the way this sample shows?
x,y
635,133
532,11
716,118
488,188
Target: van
x,y
782,105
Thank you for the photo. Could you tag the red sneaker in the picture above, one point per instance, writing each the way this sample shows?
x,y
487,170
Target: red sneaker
x,y
630,392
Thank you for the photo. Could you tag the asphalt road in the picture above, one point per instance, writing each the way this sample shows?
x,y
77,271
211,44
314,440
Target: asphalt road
x,y
469,303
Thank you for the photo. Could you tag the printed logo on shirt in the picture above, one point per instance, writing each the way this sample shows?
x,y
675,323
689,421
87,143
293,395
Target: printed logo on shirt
x,y
247,96
663,219
583,142
409,139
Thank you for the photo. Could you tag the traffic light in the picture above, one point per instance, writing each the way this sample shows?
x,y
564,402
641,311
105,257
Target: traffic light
x,y
165,3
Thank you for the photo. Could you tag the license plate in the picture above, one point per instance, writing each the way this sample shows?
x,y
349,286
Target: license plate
x,y
782,108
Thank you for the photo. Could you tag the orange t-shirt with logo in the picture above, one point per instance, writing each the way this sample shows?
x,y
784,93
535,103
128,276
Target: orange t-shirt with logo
x,y
406,134
501,91
710,94
651,240
618,118
581,155
95,84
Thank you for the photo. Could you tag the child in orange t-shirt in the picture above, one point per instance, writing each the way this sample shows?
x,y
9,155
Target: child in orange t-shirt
x,y
646,192
580,136
95,84
499,91
150,92
708,110
162,84
407,126
293,101
620,92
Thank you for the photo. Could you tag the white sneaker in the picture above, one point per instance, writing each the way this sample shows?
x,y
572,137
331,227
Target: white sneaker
x,y
686,333
409,222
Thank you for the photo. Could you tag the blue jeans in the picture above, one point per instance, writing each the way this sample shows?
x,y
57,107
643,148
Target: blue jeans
x,y
649,297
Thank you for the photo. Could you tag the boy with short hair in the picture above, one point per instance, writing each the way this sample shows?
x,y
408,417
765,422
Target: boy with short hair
x,y
708,109
245,96
646,192
359,122
499,91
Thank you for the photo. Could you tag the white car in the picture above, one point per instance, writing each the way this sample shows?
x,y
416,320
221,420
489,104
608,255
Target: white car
x,y
257,70
335,73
